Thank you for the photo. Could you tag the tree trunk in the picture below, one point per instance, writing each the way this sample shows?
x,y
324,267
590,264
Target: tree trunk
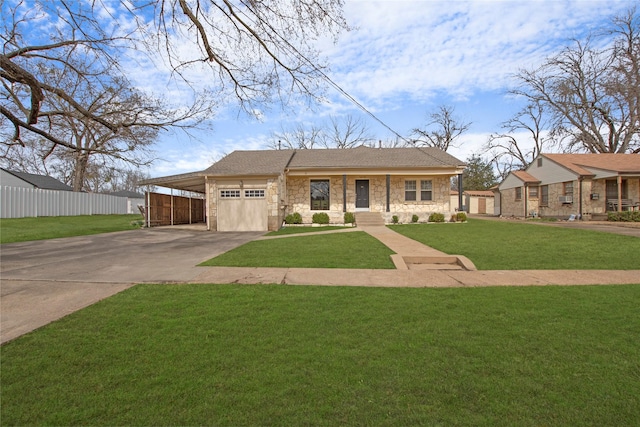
x,y
79,171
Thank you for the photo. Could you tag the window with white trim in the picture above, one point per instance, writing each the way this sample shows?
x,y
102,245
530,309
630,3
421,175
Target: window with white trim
x,y
426,189
254,194
410,190
229,194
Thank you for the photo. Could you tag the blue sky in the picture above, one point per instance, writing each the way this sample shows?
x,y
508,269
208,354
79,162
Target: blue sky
x,y
402,61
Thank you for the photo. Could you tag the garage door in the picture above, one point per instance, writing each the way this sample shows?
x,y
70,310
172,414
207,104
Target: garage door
x,y
242,210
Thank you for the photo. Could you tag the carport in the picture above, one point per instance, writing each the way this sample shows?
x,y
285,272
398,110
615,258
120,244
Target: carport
x,y
172,209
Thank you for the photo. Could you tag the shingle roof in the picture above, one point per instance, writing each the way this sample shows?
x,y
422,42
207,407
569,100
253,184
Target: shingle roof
x,y
129,194
580,163
42,182
265,162
366,158
525,177
480,193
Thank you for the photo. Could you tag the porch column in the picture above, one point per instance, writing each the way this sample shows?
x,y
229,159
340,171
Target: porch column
x,y
580,196
172,206
344,193
619,193
460,207
388,191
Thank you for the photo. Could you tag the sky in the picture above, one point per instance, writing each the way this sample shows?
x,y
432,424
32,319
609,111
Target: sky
x,y
402,61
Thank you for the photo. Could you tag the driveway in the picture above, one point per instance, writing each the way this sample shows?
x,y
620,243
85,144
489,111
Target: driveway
x,y
45,280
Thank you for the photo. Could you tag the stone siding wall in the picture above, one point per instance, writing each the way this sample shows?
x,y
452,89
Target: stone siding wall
x,y
298,197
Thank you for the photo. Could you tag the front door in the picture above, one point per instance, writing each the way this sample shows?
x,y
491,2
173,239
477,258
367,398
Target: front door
x,y
362,194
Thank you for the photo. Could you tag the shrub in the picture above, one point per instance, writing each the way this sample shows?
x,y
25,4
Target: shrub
x,y
394,219
461,216
626,216
436,217
453,218
414,218
294,218
349,218
320,218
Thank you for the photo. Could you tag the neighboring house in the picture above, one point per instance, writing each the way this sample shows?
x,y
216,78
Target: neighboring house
x,y
10,178
479,201
583,185
255,190
474,201
133,200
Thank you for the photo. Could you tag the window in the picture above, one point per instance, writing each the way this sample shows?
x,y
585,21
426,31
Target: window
x,y
568,188
518,193
253,194
229,194
426,190
409,190
319,194
533,192
544,195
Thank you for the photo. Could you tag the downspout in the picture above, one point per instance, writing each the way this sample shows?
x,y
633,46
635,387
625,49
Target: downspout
x,y
619,193
525,195
388,192
460,206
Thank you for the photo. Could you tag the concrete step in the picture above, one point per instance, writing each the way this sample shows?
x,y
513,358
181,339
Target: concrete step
x,y
369,219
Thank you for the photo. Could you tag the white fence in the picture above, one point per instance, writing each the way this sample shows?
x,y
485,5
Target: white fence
x,y
16,202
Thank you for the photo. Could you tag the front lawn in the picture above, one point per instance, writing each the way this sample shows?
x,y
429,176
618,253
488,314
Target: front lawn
x,y
235,355
497,245
52,227
335,250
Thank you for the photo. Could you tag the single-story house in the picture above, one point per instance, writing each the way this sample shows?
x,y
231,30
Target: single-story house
x,y
11,178
562,185
255,190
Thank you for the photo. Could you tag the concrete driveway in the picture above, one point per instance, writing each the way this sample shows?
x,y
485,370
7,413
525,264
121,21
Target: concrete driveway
x,y
44,280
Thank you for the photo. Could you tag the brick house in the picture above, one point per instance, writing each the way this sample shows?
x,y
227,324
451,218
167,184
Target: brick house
x,y
255,190
561,185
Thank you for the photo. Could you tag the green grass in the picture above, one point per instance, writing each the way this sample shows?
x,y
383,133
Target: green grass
x,y
336,250
52,227
495,245
323,356
304,229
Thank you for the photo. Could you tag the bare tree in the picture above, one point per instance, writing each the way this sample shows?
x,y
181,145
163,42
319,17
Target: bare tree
x,y
298,136
343,132
346,132
591,94
510,150
442,130
256,51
